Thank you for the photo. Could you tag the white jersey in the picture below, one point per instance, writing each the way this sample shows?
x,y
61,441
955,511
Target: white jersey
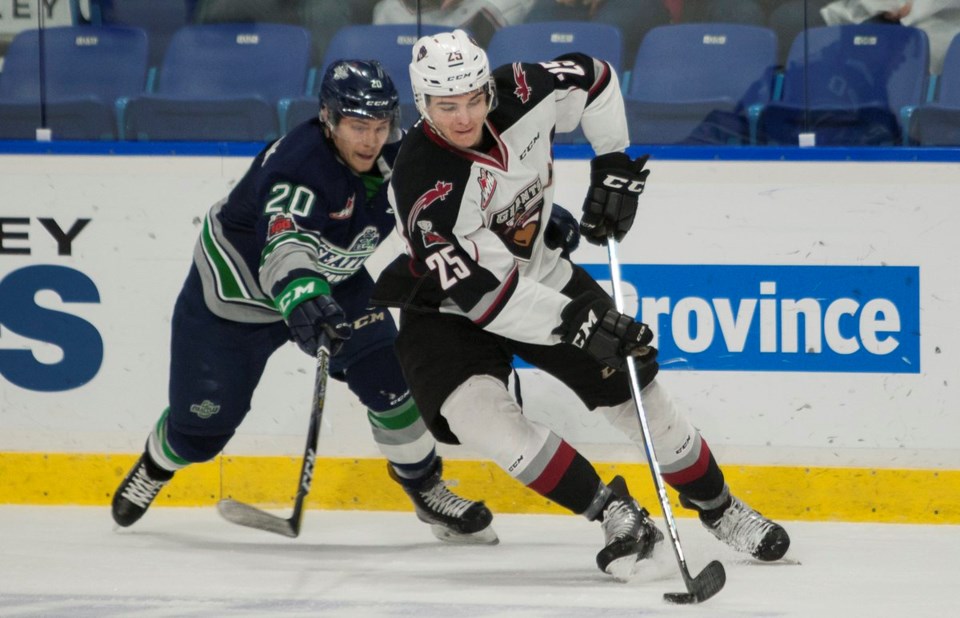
x,y
473,220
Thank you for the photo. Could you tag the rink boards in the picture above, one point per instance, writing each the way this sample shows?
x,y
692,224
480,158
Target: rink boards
x,y
804,310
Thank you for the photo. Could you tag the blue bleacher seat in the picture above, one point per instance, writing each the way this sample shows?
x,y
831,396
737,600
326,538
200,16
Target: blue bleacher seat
x,y
391,44
87,69
938,123
543,41
160,18
223,82
849,86
694,83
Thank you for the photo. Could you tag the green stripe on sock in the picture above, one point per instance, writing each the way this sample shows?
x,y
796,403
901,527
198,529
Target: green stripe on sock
x,y
401,417
168,452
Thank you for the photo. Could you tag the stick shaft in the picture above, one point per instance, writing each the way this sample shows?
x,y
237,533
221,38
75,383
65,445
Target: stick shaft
x,y
615,278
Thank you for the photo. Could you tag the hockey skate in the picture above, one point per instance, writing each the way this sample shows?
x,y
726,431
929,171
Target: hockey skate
x,y
137,491
628,532
452,519
745,530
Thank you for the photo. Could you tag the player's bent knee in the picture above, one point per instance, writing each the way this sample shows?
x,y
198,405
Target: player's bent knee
x,y
486,419
668,428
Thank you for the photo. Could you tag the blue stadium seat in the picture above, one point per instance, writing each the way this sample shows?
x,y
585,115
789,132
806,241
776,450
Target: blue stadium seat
x,y
938,123
391,44
694,83
849,86
160,18
87,71
543,41
223,82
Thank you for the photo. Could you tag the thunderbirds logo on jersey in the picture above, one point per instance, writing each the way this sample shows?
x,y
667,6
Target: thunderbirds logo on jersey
x,y
430,238
519,222
522,90
338,264
857,319
347,210
488,184
280,224
439,192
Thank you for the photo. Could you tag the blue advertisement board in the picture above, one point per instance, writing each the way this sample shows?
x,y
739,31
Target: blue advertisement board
x,y
780,318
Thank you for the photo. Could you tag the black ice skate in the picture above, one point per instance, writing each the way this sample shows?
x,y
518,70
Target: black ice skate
x,y
452,519
745,530
628,532
137,490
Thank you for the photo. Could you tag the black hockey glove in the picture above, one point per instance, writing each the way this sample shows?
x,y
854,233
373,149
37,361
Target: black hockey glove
x,y
309,310
590,322
562,231
616,182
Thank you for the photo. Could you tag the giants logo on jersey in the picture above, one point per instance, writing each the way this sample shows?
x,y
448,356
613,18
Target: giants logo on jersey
x,y
346,212
520,78
519,223
488,184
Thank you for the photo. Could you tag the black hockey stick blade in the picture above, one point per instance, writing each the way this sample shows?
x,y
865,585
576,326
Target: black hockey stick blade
x,y
252,517
702,587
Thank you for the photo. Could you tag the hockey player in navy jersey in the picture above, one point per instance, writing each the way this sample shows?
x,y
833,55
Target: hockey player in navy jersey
x,y
472,190
309,211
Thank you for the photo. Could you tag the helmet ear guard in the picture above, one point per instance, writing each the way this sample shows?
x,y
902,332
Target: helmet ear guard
x,y
358,89
449,64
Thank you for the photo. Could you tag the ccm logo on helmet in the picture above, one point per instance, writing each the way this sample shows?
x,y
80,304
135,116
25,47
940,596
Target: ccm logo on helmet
x,y
615,182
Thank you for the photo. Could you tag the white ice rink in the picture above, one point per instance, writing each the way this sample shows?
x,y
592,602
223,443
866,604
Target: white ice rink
x,y
70,561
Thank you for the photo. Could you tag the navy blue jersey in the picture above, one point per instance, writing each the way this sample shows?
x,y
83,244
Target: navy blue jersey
x,y
298,211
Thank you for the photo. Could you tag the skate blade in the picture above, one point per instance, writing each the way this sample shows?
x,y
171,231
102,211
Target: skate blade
x,y
626,569
487,536
657,565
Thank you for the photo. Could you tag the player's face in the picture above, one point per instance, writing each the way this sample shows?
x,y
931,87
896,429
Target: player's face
x,y
459,118
359,141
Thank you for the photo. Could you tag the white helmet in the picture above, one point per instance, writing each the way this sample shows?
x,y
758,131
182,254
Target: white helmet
x,y
446,64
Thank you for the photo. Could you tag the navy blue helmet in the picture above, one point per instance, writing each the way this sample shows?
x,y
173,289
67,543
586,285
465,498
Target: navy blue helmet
x,y
359,89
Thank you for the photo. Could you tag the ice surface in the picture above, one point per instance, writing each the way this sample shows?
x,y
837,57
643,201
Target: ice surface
x,y
72,561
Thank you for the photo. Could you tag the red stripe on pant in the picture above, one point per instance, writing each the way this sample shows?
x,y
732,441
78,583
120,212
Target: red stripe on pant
x,y
556,468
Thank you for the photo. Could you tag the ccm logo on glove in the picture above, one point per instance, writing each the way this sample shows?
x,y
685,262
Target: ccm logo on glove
x,y
590,322
633,186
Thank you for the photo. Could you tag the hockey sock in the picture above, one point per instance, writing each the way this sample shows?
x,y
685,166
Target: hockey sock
x,y
701,481
402,437
569,480
159,451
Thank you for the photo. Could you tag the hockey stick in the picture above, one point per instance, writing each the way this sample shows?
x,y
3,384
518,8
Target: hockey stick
x,y
246,515
712,578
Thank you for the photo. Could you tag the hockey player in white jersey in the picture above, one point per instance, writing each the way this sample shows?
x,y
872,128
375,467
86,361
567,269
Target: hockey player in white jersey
x,y
472,189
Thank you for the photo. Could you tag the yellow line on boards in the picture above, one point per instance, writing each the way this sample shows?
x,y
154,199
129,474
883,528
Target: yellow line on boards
x,y
782,492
